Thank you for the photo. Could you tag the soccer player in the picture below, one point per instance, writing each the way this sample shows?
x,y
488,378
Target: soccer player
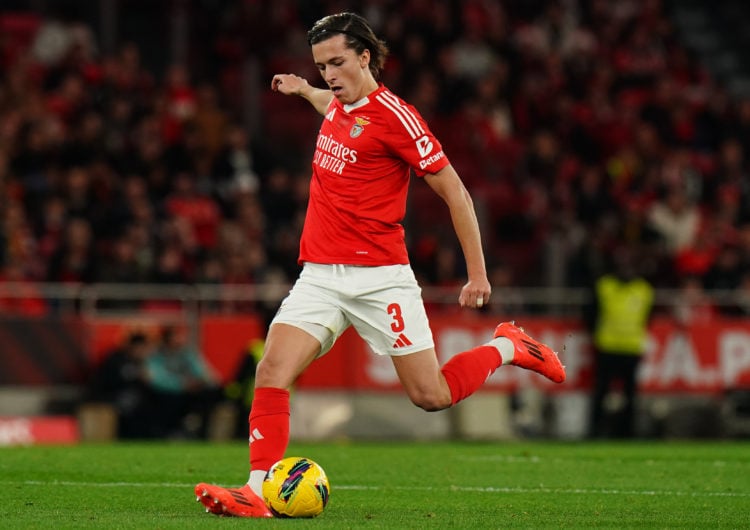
x,y
356,269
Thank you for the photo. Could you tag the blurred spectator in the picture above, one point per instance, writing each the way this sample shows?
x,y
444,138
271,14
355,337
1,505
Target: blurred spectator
x,y
590,260
472,54
121,265
743,245
692,305
507,298
19,296
77,189
60,35
75,261
592,197
19,245
50,225
234,167
184,385
733,176
125,76
171,266
697,259
618,322
676,218
239,391
726,270
122,381
201,214
743,297
210,120
179,103
277,199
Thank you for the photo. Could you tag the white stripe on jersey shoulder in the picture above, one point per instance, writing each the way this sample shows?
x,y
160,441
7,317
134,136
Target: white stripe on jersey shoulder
x,y
352,106
405,116
403,108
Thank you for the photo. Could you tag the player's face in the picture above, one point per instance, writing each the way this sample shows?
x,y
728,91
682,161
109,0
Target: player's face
x,y
346,73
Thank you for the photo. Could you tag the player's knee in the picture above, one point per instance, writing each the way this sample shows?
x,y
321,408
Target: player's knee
x,y
430,401
270,373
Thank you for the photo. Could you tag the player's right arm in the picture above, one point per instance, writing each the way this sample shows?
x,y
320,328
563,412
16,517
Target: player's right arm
x,y
290,84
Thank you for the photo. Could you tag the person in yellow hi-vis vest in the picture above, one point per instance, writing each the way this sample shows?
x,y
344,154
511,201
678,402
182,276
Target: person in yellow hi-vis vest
x,y
623,304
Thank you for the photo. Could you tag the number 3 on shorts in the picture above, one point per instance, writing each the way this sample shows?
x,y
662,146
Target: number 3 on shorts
x,y
398,321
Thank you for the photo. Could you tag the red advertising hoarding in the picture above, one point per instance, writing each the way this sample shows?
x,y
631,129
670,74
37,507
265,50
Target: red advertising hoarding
x,y
706,358
36,430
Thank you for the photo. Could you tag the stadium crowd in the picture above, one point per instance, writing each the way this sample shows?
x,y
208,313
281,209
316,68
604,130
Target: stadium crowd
x,y
577,125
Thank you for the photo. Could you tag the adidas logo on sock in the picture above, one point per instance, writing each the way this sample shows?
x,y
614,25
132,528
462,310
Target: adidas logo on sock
x,y
255,435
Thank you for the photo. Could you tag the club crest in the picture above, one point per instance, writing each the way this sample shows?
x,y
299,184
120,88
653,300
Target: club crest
x,y
358,128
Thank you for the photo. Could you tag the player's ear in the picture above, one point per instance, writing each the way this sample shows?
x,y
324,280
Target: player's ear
x,y
364,58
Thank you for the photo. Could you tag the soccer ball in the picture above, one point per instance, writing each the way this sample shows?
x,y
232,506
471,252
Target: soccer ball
x,y
296,487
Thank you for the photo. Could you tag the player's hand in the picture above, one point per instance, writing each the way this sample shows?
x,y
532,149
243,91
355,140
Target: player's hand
x,y
476,293
289,84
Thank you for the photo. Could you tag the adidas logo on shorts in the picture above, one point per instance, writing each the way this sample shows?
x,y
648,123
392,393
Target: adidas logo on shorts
x,y
401,341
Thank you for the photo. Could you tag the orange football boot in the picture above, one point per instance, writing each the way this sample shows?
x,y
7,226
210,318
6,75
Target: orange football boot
x,y
237,502
532,354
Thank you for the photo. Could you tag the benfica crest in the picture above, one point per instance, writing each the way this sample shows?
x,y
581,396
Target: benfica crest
x,y
358,127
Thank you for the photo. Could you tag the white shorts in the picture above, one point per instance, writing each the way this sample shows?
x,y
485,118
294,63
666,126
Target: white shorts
x,y
384,304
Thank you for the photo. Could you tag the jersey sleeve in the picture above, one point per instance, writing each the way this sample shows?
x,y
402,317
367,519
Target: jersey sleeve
x,y
410,138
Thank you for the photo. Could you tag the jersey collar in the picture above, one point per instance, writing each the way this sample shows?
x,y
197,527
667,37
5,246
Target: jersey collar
x,y
357,104
362,102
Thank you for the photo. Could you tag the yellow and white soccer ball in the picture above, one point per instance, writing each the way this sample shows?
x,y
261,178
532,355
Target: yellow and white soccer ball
x,y
296,487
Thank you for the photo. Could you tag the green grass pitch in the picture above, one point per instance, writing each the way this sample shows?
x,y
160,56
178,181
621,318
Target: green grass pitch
x,y
392,485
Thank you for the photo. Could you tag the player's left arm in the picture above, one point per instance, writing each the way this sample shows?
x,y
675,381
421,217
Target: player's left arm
x,y
449,186
290,84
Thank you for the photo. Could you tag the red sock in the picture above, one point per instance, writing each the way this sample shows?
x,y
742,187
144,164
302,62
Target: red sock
x,y
269,427
468,370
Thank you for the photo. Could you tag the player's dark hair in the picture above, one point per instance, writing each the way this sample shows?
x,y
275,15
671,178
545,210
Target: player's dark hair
x,y
358,34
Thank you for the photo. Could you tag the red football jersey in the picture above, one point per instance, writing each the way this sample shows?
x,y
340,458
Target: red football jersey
x,y
360,180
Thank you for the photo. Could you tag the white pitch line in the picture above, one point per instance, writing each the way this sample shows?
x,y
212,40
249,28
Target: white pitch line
x,y
356,487
539,460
